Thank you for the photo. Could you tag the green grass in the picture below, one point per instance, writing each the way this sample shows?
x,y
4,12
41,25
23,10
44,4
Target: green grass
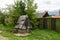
x,y
2,27
36,34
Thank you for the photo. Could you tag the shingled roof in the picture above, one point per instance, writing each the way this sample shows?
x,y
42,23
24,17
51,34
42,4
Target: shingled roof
x,y
41,15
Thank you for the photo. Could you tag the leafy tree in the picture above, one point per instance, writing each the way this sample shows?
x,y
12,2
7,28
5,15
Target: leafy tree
x,y
16,10
24,7
8,20
31,10
1,17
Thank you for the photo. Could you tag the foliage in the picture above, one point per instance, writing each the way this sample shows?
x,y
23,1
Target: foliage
x,y
31,12
16,10
24,7
1,17
8,20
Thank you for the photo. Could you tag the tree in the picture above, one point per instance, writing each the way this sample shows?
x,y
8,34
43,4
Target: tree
x,y
17,10
1,17
8,20
31,10
24,7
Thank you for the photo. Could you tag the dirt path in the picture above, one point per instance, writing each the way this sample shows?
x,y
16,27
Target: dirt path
x,y
3,38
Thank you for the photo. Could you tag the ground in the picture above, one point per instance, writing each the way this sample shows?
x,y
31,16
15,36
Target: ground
x,y
3,38
36,34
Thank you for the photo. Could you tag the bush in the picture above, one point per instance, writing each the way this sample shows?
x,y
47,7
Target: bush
x,y
1,18
24,8
8,20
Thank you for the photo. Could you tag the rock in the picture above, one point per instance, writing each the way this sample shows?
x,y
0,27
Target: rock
x,y
22,34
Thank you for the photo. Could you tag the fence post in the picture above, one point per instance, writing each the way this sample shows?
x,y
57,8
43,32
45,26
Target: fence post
x,y
58,24
53,23
44,23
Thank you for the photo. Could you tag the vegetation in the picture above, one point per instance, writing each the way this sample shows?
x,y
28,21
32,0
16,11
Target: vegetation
x,y
36,34
25,7
21,7
1,17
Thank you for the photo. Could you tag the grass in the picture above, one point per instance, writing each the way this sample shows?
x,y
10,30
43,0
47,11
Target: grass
x,y
36,34
2,27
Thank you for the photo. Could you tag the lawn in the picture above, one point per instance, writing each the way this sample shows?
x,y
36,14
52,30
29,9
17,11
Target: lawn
x,y
36,34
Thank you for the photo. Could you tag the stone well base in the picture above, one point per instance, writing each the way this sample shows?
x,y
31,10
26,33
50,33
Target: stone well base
x,y
24,34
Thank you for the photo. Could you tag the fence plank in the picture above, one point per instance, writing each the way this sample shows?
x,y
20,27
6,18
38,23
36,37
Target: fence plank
x,y
58,25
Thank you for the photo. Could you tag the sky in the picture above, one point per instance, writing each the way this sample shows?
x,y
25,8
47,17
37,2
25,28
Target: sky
x,y
3,3
48,4
43,5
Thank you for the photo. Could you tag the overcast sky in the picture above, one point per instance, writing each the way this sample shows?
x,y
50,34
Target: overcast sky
x,y
42,4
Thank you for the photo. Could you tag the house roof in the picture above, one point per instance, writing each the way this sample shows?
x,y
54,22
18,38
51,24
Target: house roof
x,y
40,15
55,16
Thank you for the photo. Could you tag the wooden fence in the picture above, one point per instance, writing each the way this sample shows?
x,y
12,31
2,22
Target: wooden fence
x,y
49,23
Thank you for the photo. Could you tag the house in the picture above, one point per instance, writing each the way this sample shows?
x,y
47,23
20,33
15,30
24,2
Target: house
x,y
43,14
49,20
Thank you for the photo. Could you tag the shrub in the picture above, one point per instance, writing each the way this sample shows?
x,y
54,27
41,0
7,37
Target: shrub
x,y
24,7
1,17
8,20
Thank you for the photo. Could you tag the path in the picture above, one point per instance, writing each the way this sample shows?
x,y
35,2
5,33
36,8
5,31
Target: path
x,y
3,38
